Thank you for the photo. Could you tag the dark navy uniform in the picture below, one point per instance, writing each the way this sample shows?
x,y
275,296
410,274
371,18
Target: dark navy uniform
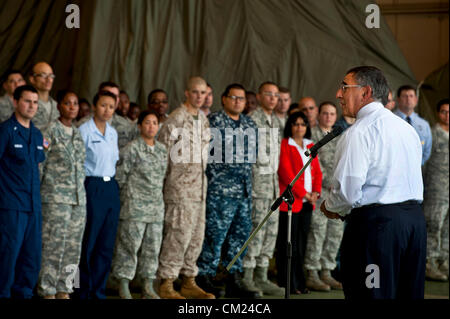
x,y
229,197
21,151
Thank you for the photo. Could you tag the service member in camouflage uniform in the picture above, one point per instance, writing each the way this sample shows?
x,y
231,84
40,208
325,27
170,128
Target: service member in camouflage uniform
x,y
186,135
63,201
13,79
229,198
265,191
435,203
140,174
325,234
42,78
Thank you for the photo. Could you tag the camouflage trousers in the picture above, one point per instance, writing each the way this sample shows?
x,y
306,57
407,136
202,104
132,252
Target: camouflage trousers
x,y
184,230
62,234
436,216
137,250
261,248
228,226
324,239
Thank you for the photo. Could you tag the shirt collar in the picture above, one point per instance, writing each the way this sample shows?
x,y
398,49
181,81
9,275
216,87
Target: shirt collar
x,y
94,128
368,109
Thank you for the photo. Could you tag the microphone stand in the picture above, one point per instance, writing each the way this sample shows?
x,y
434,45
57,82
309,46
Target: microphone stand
x,y
287,197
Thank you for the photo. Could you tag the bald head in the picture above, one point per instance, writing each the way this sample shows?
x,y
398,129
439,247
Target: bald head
x,y
308,106
42,77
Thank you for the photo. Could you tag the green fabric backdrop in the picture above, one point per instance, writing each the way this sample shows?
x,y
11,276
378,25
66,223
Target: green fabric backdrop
x,y
305,45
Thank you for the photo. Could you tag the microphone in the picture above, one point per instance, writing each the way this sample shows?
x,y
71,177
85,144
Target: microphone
x,y
335,132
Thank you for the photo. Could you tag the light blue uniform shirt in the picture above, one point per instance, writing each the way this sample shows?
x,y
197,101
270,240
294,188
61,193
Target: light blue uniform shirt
x,y
423,129
102,151
378,161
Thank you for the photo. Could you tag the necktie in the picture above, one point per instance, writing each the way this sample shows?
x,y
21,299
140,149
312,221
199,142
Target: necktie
x,y
408,119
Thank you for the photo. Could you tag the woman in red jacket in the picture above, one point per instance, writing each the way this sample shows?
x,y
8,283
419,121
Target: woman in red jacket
x,y
306,191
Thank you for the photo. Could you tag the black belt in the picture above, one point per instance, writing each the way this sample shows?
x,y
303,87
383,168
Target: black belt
x,y
408,202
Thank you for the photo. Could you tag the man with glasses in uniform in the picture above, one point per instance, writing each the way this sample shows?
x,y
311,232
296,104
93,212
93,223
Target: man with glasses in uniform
x,y
42,78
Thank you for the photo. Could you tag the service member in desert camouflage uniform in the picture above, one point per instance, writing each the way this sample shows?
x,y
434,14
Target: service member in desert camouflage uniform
x,y
325,234
63,201
186,135
140,174
265,191
435,201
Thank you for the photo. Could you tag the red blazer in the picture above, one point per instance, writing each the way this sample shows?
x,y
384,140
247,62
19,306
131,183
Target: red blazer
x,y
290,164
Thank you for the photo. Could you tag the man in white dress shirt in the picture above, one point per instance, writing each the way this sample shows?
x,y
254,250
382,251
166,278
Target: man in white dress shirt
x,y
377,188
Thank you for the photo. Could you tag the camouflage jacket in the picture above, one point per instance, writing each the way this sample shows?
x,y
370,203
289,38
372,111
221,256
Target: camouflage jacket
x,y
140,175
437,166
188,155
43,118
265,177
325,155
6,108
230,162
63,171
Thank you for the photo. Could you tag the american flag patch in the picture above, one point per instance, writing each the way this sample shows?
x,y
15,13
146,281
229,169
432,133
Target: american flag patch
x,y
46,143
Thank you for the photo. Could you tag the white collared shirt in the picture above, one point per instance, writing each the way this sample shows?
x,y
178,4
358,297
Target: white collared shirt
x,y
378,161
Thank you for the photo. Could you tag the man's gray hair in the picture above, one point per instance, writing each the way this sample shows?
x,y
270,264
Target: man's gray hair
x,y
373,77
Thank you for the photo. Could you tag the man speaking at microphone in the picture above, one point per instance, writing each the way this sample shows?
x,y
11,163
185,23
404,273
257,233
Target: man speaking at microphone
x,y
377,188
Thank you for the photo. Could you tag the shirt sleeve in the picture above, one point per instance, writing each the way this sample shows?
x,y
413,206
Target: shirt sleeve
x,y
4,137
427,145
350,171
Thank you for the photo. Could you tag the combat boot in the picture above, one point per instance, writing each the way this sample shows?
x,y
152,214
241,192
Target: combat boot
x,y
267,287
313,282
190,290
205,282
249,283
124,289
148,292
325,276
62,295
237,289
432,272
443,267
166,290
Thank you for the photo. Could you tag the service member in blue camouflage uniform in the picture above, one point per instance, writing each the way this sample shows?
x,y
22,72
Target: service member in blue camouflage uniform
x,y
229,201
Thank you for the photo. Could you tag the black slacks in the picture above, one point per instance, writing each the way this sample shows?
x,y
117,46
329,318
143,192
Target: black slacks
x,y
300,224
384,252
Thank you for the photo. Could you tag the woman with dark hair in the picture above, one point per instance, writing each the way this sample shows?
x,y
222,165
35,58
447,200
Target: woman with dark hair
x,y
306,192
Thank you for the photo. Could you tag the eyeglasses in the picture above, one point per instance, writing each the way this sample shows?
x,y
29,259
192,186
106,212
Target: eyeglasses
x,y
299,124
308,108
443,112
237,98
270,94
45,75
344,86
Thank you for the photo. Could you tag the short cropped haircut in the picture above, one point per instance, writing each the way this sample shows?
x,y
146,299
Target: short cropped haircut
x,y
405,88
146,113
103,93
8,73
84,100
231,86
265,83
107,83
442,102
20,89
195,80
150,95
373,77
62,93
291,120
283,89
327,103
